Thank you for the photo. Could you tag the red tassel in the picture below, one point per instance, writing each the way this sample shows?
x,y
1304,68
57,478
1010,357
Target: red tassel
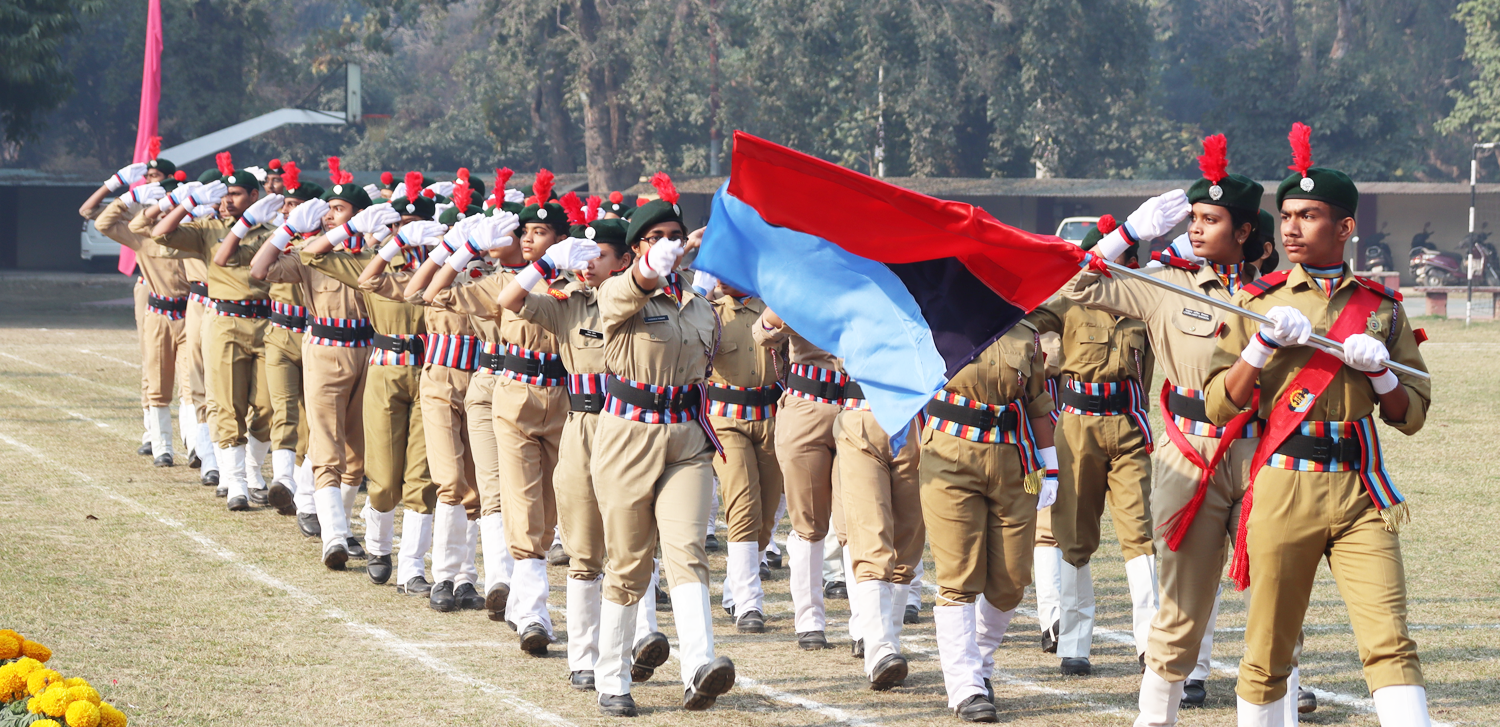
x,y
413,185
616,197
387,178
274,164
573,206
641,201
1301,139
153,147
180,176
1215,160
429,194
502,176
1239,566
664,187
462,194
225,163
463,173
291,176
333,170
591,207
542,187
1107,224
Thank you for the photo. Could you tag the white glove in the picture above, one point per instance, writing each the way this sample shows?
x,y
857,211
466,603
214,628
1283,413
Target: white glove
x,y
208,194
127,176
477,235
263,210
420,233
1364,353
505,224
573,253
1287,327
307,217
1183,247
398,192
1048,494
660,260
515,195
439,209
144,194
704,283
443,188
373,191
278,220
177,197
390,250
203,211
371,219
1158,215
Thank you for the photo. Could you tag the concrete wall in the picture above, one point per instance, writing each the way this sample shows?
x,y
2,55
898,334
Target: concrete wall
x,y
40,227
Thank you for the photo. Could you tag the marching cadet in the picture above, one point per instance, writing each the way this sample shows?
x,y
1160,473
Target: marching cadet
x,y
236,340
284,371
1046,557
274,182
1318,480
334,359
529,410
987,465
653,446
163,340
1104,454
1200,478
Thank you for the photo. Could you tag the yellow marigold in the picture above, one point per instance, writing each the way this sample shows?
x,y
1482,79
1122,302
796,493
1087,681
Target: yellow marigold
x,y
85,693
36,651
11,683
110,717
26,665
10,645
83,714
45,723
76,682
49,703
39,679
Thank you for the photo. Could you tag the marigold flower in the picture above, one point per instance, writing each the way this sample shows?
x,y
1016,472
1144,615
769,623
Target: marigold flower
x,y
11,683
10,645
84,692
110,717
45,723
40,679
26,665
36,651
83,714
76,682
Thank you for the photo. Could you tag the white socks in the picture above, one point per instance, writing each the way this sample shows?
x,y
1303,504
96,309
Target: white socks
x,y
958,652
528,595
498,563
450,536
232,475
805,565
468,572
302,477
187,422
331,517
255,459
1048,564
348,493
990,625
742,578
1140,571
380,530
616,644
159,425
284,468
416,540
1404,705
646,615
880,611
1159,701
854,619
1076,636
695,628
583,623
207,450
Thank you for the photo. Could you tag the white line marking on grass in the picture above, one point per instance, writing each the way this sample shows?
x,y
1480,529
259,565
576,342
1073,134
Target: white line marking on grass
x,y
381,637
107,387
1003,677
109,358
839,716
1345,628
50,405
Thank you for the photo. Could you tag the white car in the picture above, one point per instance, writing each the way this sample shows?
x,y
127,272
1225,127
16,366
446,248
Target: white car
x,y
1074,229
93,244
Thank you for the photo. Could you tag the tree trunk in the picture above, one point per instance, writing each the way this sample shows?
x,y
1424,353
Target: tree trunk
x,y
1289,25
1345,32
600,107
555,115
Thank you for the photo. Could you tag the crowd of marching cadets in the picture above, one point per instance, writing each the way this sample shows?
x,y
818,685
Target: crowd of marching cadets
x,y
547,379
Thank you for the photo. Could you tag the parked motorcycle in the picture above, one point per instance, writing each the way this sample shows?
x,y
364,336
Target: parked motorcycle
x,y
1433,267
1376,256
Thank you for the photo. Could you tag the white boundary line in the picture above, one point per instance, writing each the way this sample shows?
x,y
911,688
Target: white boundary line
x,y
381,637
109,358
49,405
107,387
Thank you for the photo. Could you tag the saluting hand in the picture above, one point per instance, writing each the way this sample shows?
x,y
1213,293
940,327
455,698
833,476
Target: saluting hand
x,y
1158,215
573,253
128,175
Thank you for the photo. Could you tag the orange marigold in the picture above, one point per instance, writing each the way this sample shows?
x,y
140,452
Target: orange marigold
x,y
10,645
84,692
36,651
38,680
83,714
110,717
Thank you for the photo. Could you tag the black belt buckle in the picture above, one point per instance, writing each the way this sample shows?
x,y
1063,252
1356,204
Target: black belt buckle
x,y
1344,450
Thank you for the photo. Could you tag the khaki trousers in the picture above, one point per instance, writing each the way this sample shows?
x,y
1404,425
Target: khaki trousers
x,y
528,422
653,481
284,379
1101,460
750,484
483,452
882,500
577,506
805,450
395,444
1298,519
981,519
162,342
1044,537
195,330
139,297
242,402
334,379
449,458
1188,578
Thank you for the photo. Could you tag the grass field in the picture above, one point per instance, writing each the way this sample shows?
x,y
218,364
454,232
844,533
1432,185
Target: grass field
x,y
186,614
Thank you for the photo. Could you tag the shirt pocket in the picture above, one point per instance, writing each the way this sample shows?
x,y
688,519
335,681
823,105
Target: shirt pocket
x,y
1194,322
1090,344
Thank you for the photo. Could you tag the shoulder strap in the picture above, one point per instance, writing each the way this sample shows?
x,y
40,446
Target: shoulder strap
x,y
1378,288
1263,284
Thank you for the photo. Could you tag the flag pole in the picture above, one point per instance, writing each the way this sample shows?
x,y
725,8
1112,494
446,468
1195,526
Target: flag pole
x,y
1325,343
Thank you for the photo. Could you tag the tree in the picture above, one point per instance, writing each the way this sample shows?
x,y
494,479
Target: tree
x,y
33,76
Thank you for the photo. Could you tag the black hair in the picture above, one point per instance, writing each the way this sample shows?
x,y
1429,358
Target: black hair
x,y
1271,261
1251,247
621,249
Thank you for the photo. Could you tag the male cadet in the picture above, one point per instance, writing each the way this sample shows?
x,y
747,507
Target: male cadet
x,y
1104,450
275,184
242,308
1318,482
289,436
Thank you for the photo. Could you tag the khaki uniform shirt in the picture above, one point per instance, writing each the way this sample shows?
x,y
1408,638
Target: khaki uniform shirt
x,y
798,349
389,316
165,277
201,239
1097,347
326,297
652,339
575,322
1349,396
480,299
1007,370
741,360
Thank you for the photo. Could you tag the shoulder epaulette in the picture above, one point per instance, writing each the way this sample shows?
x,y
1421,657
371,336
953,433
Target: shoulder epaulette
x,y
1378,288
1026,323
1263,284
1165,257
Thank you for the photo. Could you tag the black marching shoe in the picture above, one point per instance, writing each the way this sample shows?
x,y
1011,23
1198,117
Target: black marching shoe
x,y
557,556
534,639
989,690
1142,659
617,705
280,497
753,622
663,601
889,673
711,543
194,461
144,449
835,591
913,615
468,598
307,522
238,503
650,652
712,680
976,709
163,461
812,641
583,680
356,550
773,559
765,571
1307,702
495,600
335,556
259,498
209,478
441,597
857,648
378,568
1076,667
417,586
1049,638
221,491
1194,693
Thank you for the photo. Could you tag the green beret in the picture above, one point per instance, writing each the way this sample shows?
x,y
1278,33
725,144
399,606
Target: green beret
x,y
169,184
351,193
306,191
423,206
241,178
1091,239
163,166
621,208
1324,185
1095,235
612,230
551,214
651,214
211,175
1233,191
453,215
477,186
1267,231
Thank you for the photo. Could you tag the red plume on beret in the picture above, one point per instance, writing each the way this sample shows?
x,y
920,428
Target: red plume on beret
x,y
387,178
225,162
153,147
616,197
274,164
333,171
641,201
180,176
542,187
291,176
664,187
1215,160
1301,138
463,173
572,205
413,185
591,207
502,176
462,195
1107,224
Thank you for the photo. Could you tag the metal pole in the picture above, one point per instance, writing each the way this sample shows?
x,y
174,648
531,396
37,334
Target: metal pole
x,y
1325,343
1468,254
880,122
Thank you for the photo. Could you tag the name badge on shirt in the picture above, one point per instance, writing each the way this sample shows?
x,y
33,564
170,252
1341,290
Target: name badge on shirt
x,y
1200,315
586,333
656,319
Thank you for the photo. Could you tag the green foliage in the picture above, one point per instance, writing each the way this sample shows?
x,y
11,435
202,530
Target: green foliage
x,y
1476,113
33,76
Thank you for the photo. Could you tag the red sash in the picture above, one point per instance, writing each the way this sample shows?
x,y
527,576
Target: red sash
x,y
1177,525
1285,417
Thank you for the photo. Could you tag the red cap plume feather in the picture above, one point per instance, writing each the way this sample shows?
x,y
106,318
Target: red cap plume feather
x,y
1301,138
616,198
572,205
502,176
591,207
387,178
291,175
463,173
542,187
1107,224
529,201
664,187
153,147
225,163
274,164
1215,160
462,195
180,176
641,201
333,170
413,185
429,194
346,177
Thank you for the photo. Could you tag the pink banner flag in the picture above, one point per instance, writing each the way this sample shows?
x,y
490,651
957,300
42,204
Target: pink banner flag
x,y
150,98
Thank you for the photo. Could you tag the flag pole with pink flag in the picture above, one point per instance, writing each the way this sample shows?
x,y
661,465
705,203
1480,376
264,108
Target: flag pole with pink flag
x,y
150,99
